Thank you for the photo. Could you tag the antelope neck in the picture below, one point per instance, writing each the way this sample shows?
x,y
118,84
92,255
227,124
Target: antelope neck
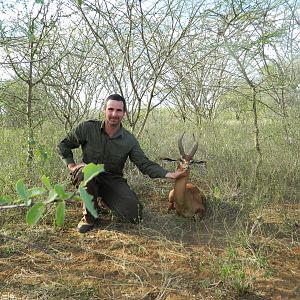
x,y
179,188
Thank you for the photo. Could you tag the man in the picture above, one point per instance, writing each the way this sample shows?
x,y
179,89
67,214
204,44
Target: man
x,y
110,144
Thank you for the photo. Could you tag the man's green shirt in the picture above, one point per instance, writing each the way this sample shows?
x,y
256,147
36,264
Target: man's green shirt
x,y
99,148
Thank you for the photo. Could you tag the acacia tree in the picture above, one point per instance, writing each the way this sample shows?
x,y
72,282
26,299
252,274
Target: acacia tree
x,y
30,50
137,39
246,29
201,77
14,104
281,60
73,83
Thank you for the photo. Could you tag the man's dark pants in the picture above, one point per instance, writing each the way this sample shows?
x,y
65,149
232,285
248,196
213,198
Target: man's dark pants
x,y
114,192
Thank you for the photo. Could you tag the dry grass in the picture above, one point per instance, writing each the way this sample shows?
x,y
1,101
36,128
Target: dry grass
x,y
246,247
166,257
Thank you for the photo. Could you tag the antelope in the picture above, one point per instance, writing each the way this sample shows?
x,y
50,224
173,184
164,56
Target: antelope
x,y
186,198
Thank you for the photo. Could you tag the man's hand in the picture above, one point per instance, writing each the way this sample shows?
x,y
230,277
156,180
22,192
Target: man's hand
x,y
73,167
177,174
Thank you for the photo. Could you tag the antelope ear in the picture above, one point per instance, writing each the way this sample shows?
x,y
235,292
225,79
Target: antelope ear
x,y
200,162
168,159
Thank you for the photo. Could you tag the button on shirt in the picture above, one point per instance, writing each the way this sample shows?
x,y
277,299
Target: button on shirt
x,y
99,148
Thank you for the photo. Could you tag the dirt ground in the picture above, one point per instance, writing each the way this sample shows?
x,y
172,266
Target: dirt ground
x,y
166,257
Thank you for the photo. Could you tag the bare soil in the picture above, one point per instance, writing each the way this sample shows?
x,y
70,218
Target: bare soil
x,y
166,257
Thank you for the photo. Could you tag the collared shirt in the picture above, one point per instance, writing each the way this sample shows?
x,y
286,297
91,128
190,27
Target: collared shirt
x,y
99,148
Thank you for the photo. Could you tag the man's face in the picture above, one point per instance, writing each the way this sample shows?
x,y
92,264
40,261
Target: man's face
x,y
114,112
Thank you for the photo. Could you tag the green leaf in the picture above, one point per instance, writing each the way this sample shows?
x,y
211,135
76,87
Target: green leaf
x,y
90,171
60,190
5,199
39,1
60,213
88,201
35,213
52,197
21,189
46,182
77,198
38,191
79,2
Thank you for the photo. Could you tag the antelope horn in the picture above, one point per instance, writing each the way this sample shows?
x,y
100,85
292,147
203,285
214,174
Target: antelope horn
x,y
194,148
180,147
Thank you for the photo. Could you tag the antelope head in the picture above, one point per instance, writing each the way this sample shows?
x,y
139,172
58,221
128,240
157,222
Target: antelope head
x,y
186,160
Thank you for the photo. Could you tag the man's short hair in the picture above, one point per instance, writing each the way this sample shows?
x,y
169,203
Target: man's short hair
x,y
117,97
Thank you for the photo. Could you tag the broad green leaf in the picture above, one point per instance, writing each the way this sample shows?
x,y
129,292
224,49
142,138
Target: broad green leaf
x,y
21,189
46,182
39,1
60,190
79,2
87,199
90,171
5,199
36,192
35,213
51,197
60,213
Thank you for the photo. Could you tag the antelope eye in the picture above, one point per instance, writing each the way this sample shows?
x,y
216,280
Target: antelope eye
x,y
191,161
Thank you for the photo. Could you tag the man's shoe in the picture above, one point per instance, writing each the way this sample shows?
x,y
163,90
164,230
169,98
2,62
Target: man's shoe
x,y
83,226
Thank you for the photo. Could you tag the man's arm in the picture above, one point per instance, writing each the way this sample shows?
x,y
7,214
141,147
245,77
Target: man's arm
x,y
144,164
71,141
151,168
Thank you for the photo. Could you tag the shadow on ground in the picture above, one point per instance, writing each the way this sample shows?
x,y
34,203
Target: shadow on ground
x,y
211,229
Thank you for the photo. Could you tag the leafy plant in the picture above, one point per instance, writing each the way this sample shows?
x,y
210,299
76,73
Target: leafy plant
x,y
54,194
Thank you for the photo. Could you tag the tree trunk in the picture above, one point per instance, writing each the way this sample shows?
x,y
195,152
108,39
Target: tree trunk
x,y
30,139
257,134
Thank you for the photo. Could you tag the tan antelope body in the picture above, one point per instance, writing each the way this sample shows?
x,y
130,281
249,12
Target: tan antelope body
x,y
186,198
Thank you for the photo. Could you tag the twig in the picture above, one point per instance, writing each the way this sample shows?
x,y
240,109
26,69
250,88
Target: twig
x,y
13,206
35,246
68,200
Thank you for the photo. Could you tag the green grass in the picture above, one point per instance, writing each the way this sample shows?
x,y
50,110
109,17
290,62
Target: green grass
x,y
234,250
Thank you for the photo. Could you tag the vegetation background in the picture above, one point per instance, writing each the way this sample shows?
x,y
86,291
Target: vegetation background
x,y
225,71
